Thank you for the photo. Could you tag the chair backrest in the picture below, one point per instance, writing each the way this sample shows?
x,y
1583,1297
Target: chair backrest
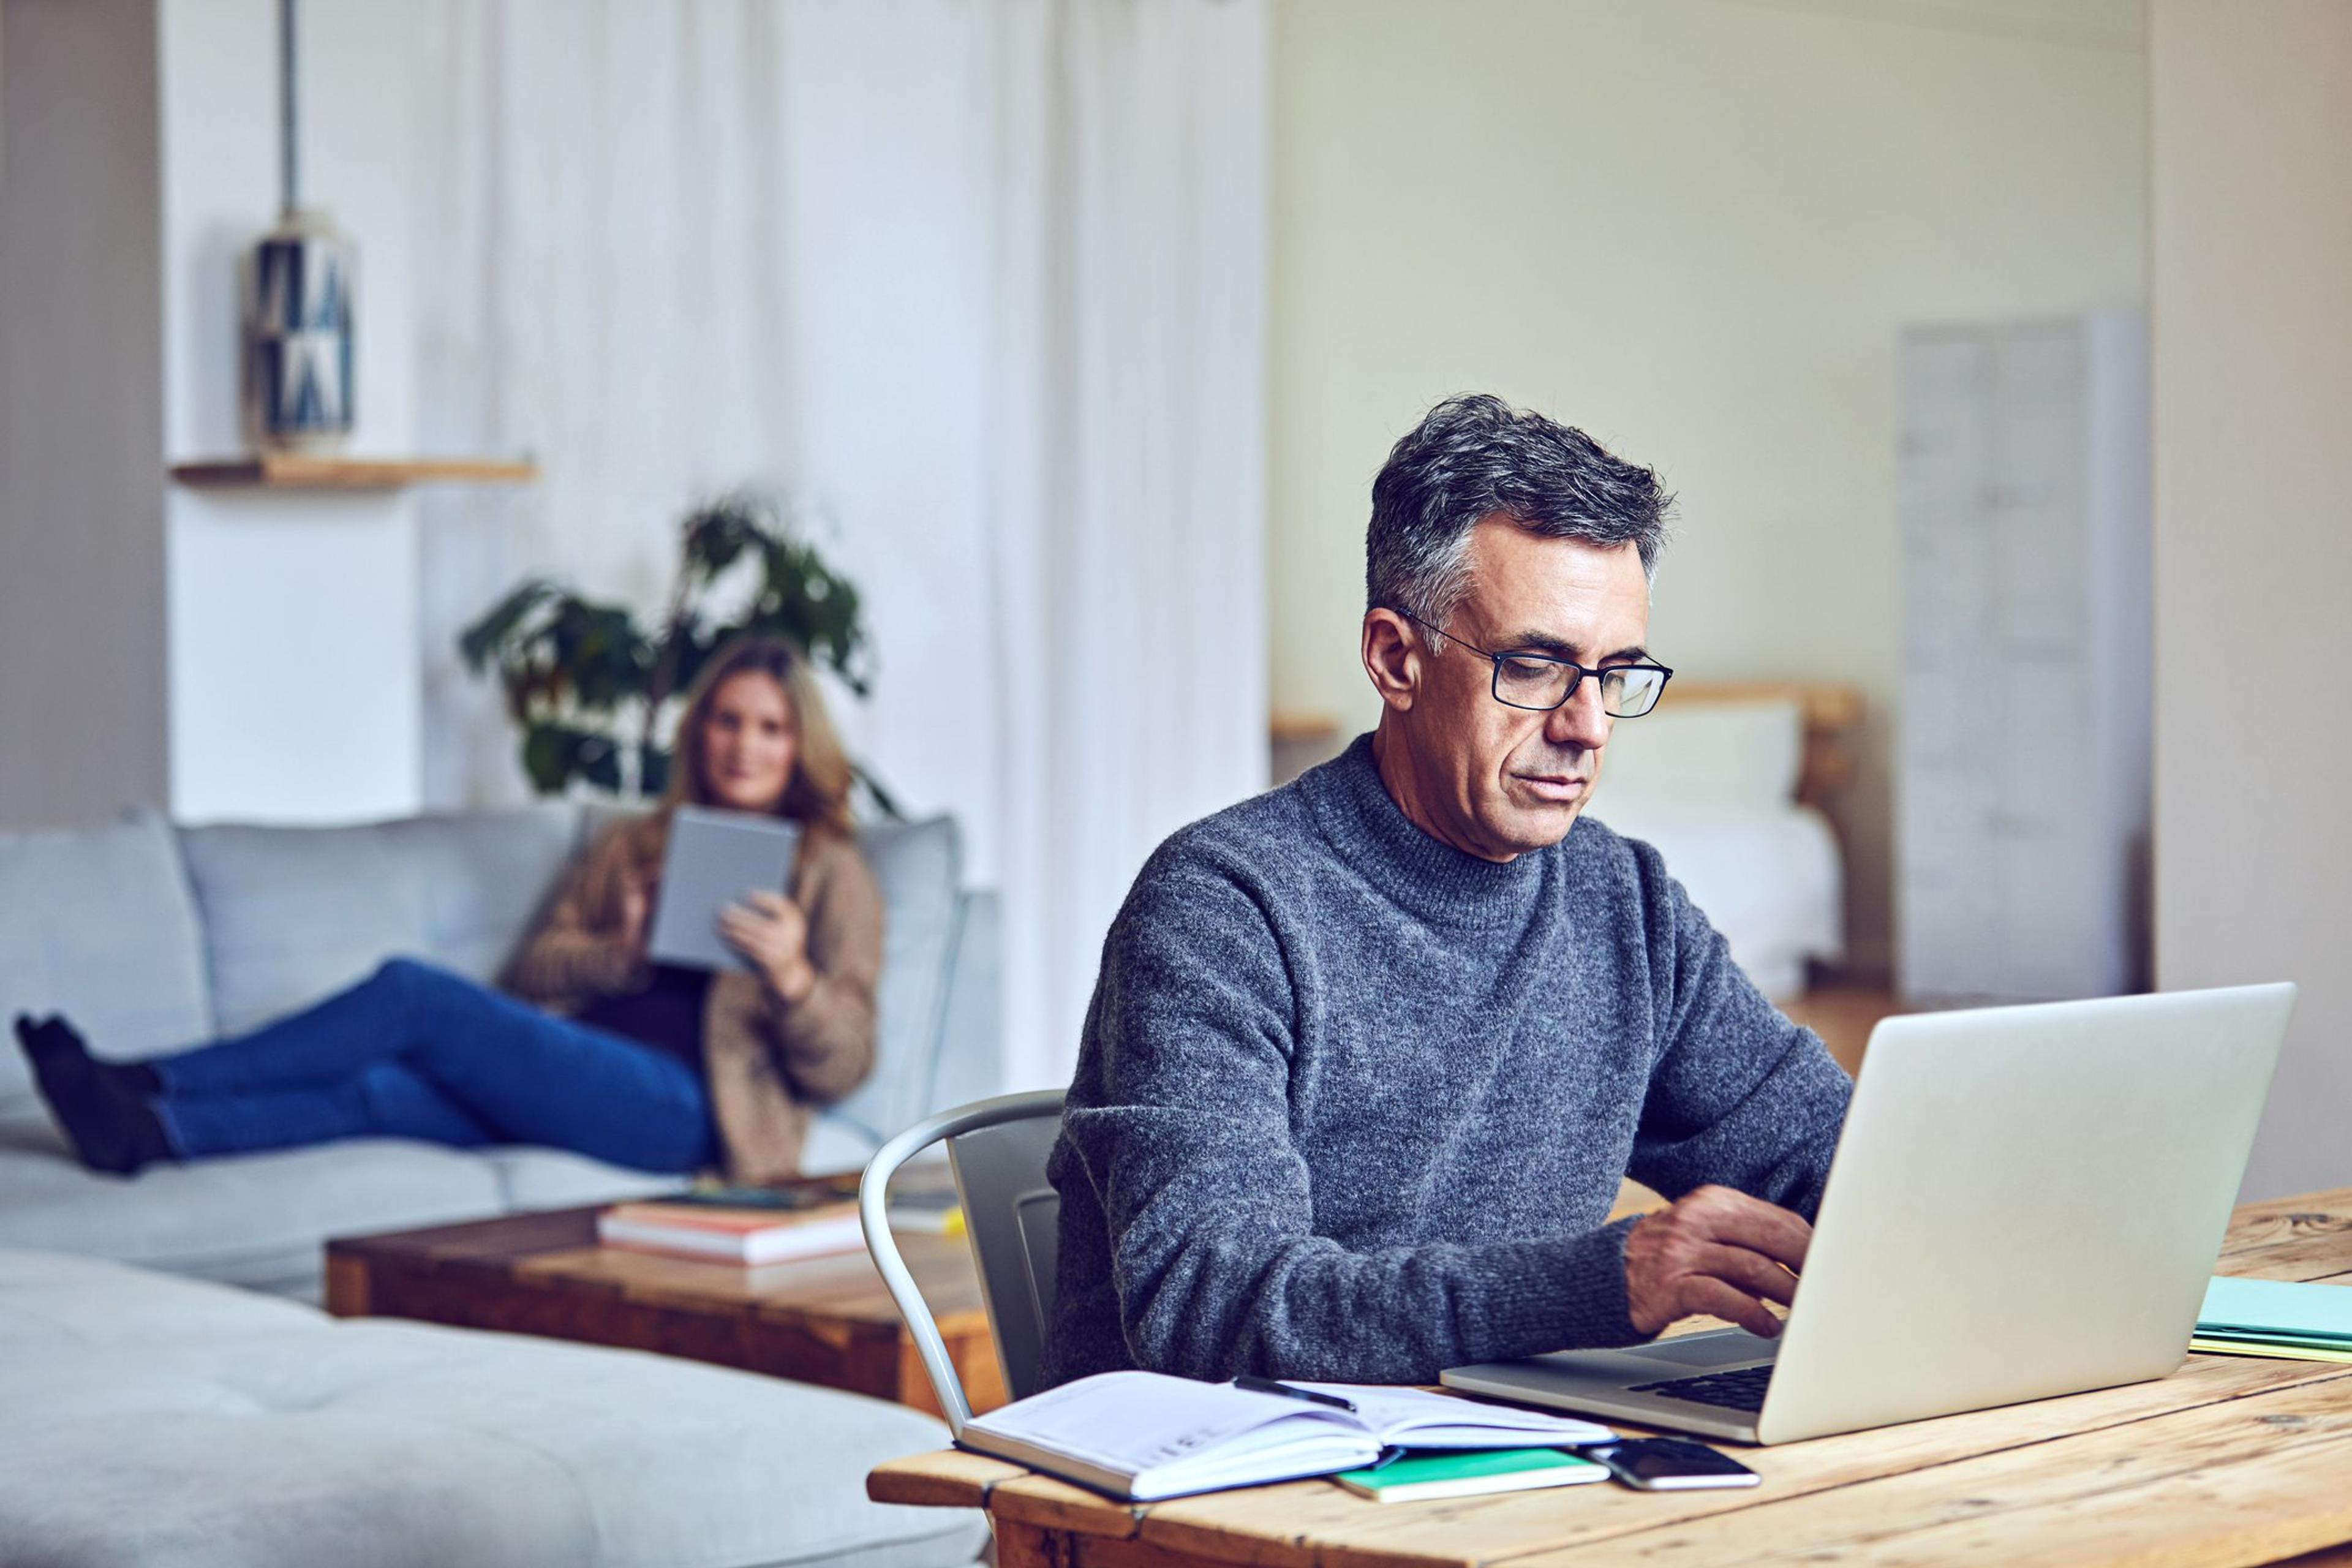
x,y
1013,1215
998,1148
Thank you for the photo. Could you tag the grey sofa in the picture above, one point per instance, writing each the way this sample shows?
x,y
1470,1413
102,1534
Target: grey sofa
x,y
148,1421
153,938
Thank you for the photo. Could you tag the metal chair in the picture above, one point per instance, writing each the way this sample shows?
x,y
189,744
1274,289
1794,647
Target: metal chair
x,y
997,1149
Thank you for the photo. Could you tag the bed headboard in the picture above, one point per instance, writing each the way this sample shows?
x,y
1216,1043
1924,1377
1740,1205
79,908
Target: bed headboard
x,y
1831,714
1832,719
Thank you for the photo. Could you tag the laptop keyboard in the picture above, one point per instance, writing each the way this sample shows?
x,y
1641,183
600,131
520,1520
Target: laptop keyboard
x,y
1740,1390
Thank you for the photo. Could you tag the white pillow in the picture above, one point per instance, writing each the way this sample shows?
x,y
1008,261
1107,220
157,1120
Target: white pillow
x,y
1744,755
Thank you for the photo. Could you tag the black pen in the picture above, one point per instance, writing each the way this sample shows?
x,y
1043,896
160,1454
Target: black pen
x,y
1268,1385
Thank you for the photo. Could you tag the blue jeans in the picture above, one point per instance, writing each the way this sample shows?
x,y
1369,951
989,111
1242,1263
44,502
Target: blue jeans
x,y
417,1052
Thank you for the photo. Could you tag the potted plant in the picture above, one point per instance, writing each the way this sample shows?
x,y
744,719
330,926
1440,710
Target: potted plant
x,y
595,696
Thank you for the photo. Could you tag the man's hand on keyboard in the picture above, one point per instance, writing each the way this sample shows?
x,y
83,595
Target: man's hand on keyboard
x,y
1713,1251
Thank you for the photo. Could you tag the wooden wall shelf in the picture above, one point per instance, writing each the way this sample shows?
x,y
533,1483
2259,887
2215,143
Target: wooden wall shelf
x,y
297,471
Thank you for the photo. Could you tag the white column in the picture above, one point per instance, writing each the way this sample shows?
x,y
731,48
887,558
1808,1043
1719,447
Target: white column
x,y
292,615
2251,110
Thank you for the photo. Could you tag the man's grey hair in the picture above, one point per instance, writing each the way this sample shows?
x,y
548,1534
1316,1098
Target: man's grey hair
x,y
1473,457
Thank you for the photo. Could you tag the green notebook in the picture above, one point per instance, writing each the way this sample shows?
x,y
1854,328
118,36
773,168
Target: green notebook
x,y
1436,1473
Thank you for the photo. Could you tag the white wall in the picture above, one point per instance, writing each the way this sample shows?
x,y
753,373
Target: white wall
x,y
81,508
293,615
2250,103
1692,228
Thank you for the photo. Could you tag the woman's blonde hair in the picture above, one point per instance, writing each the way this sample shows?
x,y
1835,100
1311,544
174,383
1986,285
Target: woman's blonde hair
x,y
818,791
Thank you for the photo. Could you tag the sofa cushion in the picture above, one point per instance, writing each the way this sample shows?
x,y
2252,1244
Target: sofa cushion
x,y
971,1064
293,914
534,1178
920,865
97,924
151,1420
262,1220
257,1220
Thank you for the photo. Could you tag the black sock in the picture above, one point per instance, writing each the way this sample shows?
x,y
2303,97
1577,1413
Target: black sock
x,y
103,1106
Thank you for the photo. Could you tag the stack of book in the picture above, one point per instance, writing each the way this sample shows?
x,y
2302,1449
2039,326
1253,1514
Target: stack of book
x,y
750,1225
811,1217
2275,1318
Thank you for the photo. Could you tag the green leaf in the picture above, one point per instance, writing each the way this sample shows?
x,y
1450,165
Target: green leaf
x,y
488,636
653,769
718,534
598,761
555,754
547,750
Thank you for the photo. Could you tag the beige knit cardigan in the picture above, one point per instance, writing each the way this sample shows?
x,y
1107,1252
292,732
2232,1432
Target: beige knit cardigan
x,y
767,1063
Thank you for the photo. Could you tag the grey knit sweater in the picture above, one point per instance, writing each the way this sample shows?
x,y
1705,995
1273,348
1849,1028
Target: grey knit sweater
x,y
1353,1105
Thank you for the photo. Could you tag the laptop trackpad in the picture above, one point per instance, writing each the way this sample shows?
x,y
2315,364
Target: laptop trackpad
x,y
1693,1354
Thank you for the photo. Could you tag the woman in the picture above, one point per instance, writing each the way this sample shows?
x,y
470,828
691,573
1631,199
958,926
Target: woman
x,y
596,1050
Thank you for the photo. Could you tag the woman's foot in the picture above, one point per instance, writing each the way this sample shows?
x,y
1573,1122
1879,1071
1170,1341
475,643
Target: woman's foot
x,y
103,1106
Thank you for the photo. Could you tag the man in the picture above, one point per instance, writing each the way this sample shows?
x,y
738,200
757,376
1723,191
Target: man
x,y
1369,1054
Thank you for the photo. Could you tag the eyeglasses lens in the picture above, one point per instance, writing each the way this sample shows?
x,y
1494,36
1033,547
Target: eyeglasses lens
x,y
1629,693
1542,683
1532,682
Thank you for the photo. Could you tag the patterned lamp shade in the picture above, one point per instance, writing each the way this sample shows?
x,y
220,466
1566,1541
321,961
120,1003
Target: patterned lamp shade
x,y
298,334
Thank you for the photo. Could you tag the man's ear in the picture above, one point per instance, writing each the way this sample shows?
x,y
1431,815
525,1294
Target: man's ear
x,y
1392,656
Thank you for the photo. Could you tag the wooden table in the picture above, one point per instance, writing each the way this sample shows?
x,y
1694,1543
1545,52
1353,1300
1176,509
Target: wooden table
x,y
2231,1460
820,1319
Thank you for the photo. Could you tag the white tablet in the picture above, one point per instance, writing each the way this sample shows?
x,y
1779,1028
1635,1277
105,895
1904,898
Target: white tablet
x,y
715,857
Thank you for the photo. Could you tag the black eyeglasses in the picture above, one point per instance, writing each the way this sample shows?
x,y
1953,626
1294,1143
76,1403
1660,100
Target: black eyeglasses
x,y
1540,683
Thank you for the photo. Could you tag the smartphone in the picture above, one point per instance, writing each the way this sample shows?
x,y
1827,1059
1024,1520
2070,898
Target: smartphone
x,y
1668,1464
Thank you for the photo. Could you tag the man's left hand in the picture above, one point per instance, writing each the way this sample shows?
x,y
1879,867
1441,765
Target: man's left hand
x,y
770,929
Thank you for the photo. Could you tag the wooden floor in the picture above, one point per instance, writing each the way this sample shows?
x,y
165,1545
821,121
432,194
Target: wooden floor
x,y
1843,1015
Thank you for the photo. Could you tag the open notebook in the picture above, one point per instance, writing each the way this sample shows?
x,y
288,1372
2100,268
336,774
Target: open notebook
x,y
1142,1436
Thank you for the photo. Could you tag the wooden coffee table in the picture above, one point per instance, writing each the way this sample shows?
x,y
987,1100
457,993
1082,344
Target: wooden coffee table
x,y
822,1320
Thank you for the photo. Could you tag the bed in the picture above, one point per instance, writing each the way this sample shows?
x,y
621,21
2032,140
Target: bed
x,y
1731,782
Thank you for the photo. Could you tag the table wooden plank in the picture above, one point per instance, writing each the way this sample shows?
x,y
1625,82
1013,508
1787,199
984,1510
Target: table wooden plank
x,y
2326,1557
946,1478
1305,1524
2326,1200
504,1236
2246,1481
2256,1227
1021,1545
1052,1504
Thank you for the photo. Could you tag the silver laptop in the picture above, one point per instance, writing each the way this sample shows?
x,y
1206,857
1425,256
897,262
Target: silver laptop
x,y
2024,1202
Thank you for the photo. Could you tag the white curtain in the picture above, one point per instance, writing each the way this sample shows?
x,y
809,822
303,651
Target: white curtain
x,y
980,282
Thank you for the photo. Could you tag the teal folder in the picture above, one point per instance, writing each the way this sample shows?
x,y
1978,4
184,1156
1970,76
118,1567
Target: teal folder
x,y
2288,1311
1431,1473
